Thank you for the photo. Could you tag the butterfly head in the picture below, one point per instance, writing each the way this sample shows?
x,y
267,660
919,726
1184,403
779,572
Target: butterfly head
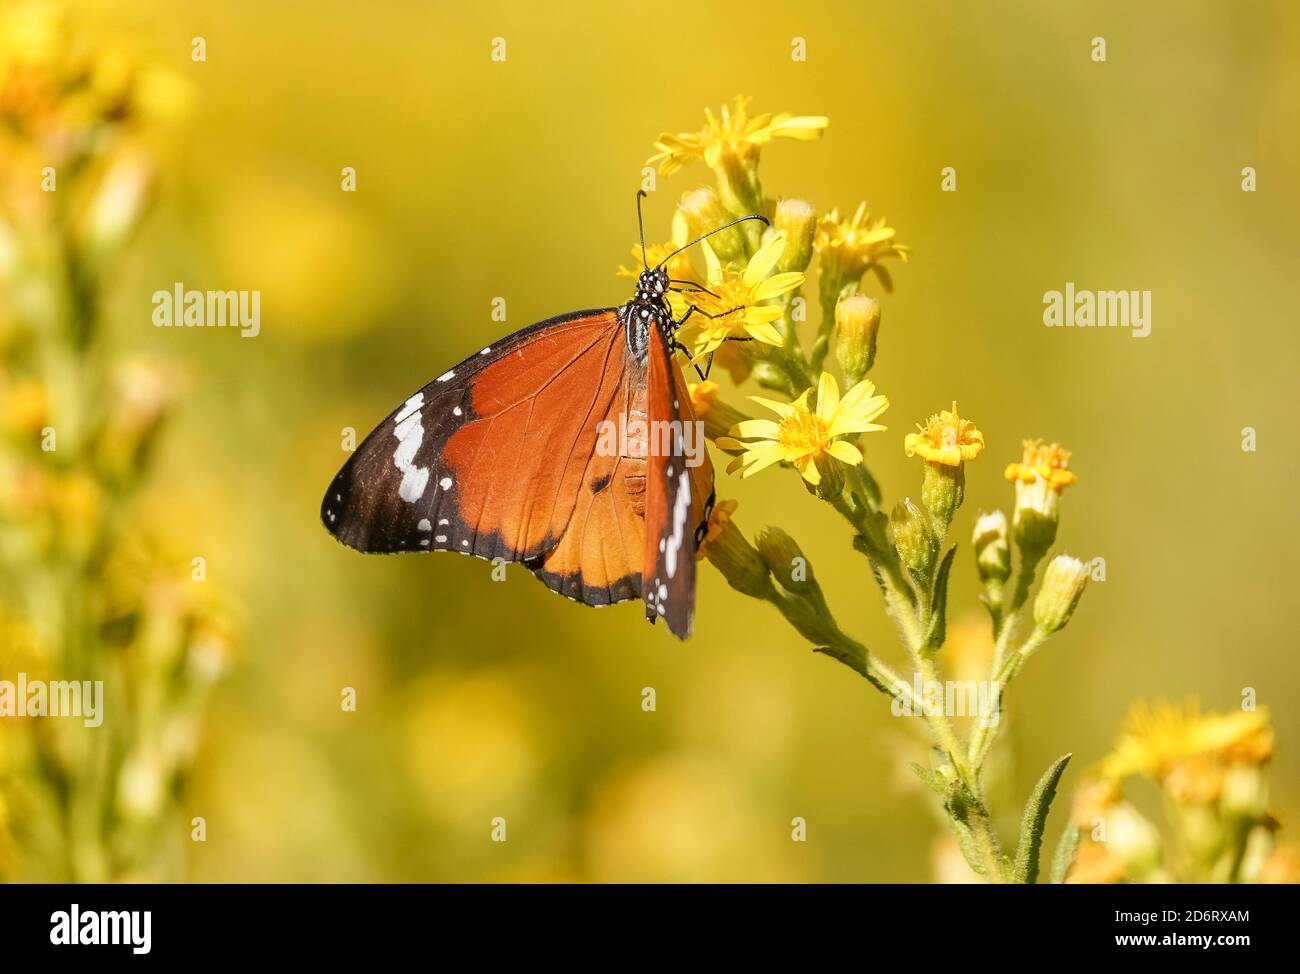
x,y
652,286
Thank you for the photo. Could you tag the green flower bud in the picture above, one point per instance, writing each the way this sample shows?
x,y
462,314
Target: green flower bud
x,y
786,561
992,551
739,562
1036,518
1063,585
798,220
909,527
704,212
942,491
857,322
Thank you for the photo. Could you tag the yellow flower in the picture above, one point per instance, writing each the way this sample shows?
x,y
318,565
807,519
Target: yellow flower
x,y
732,136
1187,750
848,248
719,519
1042,463
804,435
738,298
946,439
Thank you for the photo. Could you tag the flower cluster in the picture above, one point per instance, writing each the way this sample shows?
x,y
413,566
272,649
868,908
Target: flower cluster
x,y
1208,766
749,308
88,592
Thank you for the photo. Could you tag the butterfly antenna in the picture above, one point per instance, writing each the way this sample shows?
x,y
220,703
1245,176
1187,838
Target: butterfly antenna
x,y
725,226
640,225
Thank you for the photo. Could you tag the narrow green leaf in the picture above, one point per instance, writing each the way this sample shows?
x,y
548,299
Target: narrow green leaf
x,y
1064,855
1034,820
969,848
931,779
939,602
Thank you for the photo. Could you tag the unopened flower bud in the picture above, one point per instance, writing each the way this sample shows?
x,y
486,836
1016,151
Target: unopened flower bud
x,y
786,561
1040,477
942,490
909,526
992,551
857,322
1063,585
798,220
732,555
704,212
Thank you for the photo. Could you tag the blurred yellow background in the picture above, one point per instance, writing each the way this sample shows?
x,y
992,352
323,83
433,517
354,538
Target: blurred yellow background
x,y
478,179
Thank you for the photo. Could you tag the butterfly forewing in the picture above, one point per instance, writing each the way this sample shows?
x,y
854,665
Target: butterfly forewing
x,y
497,458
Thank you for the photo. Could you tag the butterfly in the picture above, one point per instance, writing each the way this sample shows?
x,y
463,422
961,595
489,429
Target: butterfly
x,y
569,447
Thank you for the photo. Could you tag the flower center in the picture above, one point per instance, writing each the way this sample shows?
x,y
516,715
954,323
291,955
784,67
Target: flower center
x,y
803,430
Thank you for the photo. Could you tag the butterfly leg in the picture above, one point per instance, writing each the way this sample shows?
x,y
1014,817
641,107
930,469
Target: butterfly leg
x,y
708,367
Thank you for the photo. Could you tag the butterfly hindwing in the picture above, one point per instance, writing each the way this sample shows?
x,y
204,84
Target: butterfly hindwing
x,y
679,493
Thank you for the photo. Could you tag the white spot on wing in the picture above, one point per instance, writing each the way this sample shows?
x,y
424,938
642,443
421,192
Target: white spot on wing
x,y
446,375
424,524
410,406
680,515
445,483
410,434
414,480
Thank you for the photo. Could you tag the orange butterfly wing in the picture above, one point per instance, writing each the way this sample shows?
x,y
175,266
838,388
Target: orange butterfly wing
x,y
498,458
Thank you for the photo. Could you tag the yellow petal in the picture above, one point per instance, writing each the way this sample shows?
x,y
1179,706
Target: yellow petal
x,y
845,452
828,397
712,266
808,469
755,428
805,128
760,456
761,264
702,352
858,409
760,314
782,409
776,285
764,332
681,230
